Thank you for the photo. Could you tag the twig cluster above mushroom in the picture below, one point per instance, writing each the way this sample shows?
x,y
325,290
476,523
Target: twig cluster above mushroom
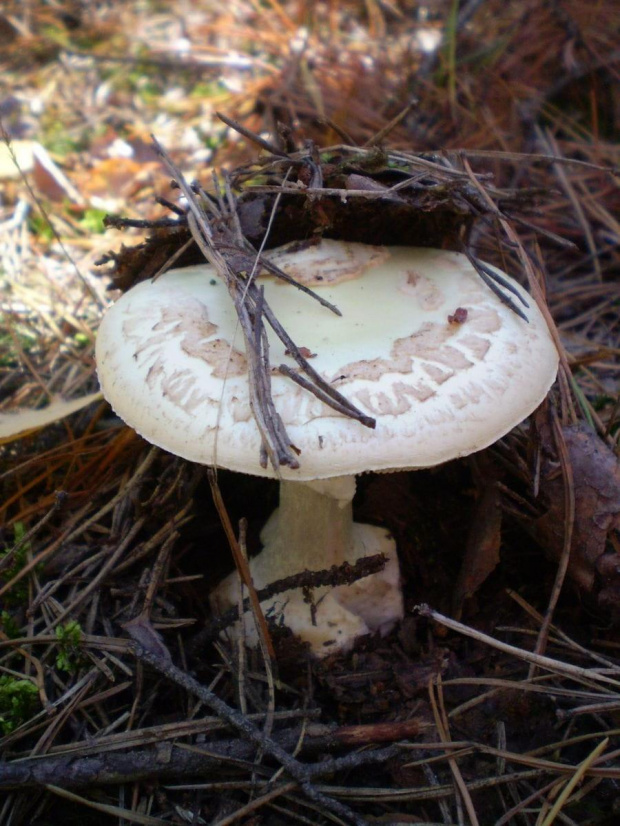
x,y
422,346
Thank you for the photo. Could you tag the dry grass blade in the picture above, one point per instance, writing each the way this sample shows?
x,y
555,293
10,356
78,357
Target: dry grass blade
x,y
441,721
569,517
241,564
571,784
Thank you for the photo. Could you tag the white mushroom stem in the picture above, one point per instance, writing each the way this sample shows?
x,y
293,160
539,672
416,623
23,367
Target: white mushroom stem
x,y
312,530
312,527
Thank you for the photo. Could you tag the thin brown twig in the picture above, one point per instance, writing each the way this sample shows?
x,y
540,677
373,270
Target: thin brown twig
x,y
344,574
271,428
252,136
569,520
241,562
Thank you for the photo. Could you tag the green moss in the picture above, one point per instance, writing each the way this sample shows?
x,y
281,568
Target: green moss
x,y
9,350
57,35
9,626
40,226
69,656
18,595
204,90
92,220
58,139
18,701
81,340
148,90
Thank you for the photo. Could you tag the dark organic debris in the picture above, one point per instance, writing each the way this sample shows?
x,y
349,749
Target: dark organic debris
x,y
373,195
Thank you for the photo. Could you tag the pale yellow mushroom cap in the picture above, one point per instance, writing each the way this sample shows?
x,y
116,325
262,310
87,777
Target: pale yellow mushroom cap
x,y
171,361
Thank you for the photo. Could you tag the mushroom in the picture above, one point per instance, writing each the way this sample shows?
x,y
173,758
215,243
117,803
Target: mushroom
x,y
422,345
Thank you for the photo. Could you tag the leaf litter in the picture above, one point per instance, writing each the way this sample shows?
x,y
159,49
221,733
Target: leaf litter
x,y
503,144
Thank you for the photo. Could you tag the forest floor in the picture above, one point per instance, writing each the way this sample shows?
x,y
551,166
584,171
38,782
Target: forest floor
x,y
496,700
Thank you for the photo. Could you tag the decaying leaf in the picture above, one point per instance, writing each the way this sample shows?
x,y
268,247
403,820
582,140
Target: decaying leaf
x,y
111,182
141,630
482,550
594,565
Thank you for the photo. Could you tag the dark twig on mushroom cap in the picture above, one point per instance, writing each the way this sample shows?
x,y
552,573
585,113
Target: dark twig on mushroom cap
x,y
232,259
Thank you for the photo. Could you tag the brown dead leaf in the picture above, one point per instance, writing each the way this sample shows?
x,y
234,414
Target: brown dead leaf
x,y
111,177
482,550
141,630
113,181
596,475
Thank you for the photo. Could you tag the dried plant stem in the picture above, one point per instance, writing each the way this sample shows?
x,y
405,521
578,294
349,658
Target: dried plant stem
x,y
574,781
241,564
435,692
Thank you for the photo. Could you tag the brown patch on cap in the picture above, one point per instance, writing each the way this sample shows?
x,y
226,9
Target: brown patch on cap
x,y
428,294
188,322
223,359
403,397
329,263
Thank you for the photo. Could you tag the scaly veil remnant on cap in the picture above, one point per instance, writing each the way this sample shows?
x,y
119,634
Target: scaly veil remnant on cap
x,y
170,362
